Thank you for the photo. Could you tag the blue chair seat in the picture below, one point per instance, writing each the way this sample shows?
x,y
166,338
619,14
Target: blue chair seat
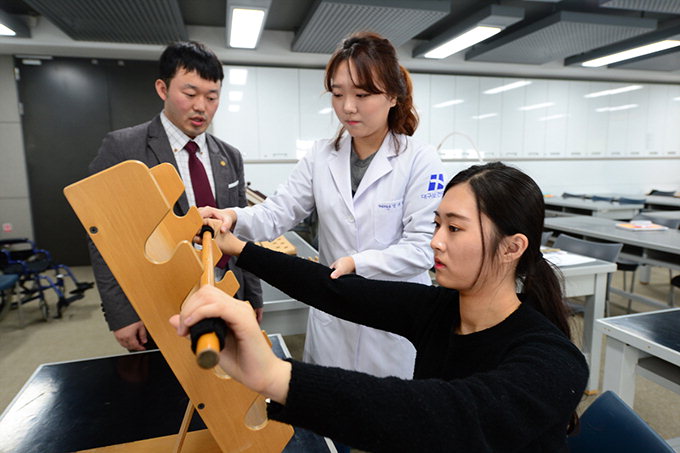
x,y
609,424
7,281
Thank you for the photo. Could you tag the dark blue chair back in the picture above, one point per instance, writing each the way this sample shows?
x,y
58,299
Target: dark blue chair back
x,y
609,424
662,193
625,200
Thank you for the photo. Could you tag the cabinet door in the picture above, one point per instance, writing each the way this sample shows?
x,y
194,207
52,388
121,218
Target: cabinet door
x,y
489,129
443,104
317,118
535,105
578,119
512,133
278,111
637,134
656,120
597,119
421,102
672,131
235,121
556,117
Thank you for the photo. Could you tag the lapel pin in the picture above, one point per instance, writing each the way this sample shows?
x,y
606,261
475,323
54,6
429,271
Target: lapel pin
x,y
223,163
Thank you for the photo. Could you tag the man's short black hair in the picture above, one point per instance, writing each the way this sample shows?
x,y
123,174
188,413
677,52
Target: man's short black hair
x,y
191,56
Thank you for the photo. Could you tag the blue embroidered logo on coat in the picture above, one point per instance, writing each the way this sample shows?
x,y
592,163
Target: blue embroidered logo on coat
x,y
436,182
435,187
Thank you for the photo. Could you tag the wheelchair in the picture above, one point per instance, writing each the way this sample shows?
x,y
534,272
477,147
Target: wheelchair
x,y
20,256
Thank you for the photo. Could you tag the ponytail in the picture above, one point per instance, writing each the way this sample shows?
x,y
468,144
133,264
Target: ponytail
x,y
543,290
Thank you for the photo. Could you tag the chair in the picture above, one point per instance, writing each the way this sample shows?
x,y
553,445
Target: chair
x,y
609,424
601,198
600,250
626,266
626,200
20,256
662,193
545,237
675,282
572,195
7,284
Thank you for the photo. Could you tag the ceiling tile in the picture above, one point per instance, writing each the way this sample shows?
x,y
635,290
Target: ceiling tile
x,y
129,21
558,36
329,21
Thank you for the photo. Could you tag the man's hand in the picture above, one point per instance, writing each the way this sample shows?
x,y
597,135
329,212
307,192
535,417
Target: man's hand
x,y
132,337
226,216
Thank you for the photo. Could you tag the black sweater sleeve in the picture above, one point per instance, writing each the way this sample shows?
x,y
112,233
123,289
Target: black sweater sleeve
x,y
392,306
523,406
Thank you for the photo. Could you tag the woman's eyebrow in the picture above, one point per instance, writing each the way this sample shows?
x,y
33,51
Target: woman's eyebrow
x,y
454,215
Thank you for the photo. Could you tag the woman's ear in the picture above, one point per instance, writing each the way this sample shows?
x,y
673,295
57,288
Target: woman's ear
x,y
514,246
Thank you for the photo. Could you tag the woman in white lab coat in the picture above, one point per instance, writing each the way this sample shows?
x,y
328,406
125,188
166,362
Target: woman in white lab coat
x,y
375,190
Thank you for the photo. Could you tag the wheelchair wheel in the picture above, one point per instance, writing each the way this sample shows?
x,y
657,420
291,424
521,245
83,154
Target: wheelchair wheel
x,y
5,302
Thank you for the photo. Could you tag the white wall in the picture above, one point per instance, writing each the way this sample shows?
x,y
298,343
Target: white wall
x,y
631,176
573,144
277,111
15,210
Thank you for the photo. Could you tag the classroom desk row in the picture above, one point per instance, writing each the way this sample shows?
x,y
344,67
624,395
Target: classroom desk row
x,y
656,248
641,344
566,206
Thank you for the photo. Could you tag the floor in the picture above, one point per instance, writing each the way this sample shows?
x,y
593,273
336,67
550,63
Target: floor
x,y
82,333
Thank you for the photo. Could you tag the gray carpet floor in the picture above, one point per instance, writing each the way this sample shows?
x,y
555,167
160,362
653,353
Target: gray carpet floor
x,y
82,333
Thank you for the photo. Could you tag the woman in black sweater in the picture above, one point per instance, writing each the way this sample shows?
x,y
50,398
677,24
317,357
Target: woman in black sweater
x,y
495,370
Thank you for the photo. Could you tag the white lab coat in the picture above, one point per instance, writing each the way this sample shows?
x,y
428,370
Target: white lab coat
x,y
386,227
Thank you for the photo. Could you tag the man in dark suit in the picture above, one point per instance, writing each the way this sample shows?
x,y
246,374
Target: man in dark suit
x,y
189,84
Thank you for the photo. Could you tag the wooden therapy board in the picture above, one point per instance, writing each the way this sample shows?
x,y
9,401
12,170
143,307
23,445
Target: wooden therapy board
x,y
127,211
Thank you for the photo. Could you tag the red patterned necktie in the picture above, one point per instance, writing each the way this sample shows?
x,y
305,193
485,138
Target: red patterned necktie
x,y
201,185
199,178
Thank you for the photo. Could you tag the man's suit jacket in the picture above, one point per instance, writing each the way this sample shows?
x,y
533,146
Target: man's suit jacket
x,y
149,143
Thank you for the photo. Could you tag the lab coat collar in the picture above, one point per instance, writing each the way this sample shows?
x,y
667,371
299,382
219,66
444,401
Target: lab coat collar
x,y
338,164
381,165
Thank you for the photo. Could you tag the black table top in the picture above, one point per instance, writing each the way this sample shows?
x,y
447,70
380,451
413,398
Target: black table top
x,y
661,327
91,403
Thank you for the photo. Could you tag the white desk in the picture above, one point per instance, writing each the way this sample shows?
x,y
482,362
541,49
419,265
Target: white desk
x,y
281,313
647,344
590,280
671,214
654,201
580,206
656,248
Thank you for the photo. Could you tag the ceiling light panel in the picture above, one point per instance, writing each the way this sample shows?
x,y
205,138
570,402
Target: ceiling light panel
x,y
667,61
329,21
656,6
129,21
558,36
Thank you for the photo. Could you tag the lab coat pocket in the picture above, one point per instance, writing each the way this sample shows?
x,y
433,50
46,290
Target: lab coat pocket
x,y
387,221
